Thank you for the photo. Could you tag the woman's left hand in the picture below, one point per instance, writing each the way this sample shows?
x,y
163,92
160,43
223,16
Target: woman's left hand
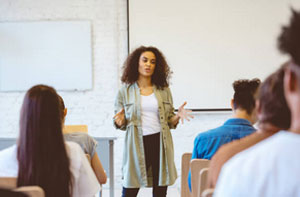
x,y
184,113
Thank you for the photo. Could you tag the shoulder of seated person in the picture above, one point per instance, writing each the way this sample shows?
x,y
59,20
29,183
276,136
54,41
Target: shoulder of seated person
x,y
211,134
75,154
80,133
72,145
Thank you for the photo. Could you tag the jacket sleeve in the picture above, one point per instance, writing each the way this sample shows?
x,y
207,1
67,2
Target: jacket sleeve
x,y
171,114
119,104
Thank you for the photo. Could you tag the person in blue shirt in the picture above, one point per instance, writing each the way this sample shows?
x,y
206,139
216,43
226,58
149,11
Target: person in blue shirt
x,y
207,143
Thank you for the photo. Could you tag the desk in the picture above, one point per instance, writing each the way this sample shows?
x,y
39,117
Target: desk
x,y
105,150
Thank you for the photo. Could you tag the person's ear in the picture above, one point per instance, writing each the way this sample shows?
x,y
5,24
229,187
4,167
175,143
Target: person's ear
x,y
290,81
65,112
232,104
258,108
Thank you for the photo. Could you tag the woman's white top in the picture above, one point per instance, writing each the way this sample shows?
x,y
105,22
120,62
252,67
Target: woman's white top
x,y
150,115
85,181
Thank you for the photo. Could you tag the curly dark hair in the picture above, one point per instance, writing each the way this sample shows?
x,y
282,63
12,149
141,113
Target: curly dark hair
x,y
161,74
289,39
273,105
244,94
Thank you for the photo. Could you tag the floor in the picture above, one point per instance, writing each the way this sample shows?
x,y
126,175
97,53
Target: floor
x,y
144,192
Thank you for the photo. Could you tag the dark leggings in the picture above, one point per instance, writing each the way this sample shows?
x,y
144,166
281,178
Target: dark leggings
x,y
151,148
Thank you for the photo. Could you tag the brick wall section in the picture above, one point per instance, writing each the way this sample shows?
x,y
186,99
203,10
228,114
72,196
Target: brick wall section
x,y
95,107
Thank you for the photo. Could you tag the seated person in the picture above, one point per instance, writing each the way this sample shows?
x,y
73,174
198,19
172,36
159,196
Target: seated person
x,y
88,144
41,156
271,167
273,115
239,126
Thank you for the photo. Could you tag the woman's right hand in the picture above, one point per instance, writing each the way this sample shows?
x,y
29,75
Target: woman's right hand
x,y
120,118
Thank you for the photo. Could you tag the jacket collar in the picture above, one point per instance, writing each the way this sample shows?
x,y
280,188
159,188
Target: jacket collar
x,y
237,121
137,86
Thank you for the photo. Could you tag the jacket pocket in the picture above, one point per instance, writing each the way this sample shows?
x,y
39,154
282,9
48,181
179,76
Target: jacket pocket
x,y
167,106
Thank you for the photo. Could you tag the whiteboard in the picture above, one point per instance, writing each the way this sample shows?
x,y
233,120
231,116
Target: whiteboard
x,y
209,44
55,53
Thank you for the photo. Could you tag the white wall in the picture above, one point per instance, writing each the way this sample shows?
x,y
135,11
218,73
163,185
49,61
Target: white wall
x,y
95,107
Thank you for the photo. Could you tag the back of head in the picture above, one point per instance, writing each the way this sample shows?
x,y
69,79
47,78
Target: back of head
x,y
42,155
289,39
244,94
273,106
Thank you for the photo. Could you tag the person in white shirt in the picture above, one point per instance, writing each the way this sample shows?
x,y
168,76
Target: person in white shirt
x,y
88,145
271,168
41,157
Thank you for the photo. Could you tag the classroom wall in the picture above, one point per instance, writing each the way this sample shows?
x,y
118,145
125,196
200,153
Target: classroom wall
x,y
95,107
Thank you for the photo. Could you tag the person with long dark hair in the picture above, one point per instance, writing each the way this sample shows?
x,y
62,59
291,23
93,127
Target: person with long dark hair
x,y
144,108
41,157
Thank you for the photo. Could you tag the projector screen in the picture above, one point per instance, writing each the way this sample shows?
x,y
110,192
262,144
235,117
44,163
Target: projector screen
x,y
210,44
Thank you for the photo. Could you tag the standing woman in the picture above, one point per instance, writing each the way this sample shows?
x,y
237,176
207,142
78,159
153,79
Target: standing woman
x,y
144,108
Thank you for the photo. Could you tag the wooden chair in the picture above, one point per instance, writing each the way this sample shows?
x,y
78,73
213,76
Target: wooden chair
x,y
32,191
196,166
208,192
75,128
11,183
202,178
8,182
185,166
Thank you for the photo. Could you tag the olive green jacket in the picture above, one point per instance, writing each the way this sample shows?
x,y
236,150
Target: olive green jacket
x,y
134,166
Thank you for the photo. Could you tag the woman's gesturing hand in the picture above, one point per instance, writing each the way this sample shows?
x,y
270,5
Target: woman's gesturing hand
x,y
120,118
184,113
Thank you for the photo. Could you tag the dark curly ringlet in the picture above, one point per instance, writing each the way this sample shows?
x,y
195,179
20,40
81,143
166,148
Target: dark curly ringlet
x,y
161,74
274,108
244,94
289,39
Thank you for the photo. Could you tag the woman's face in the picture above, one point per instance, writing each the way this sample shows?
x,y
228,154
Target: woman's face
x,y
147,63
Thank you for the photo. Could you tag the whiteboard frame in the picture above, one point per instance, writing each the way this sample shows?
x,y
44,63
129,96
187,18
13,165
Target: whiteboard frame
x,y
58,54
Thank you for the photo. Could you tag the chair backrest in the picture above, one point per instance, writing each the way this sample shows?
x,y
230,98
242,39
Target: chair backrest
x,y
11,193
8,182
202,181
196,166
11,183
31,191
208,192
75,128
185,166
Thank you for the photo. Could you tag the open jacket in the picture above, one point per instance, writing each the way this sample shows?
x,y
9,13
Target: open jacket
x,y
134,165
